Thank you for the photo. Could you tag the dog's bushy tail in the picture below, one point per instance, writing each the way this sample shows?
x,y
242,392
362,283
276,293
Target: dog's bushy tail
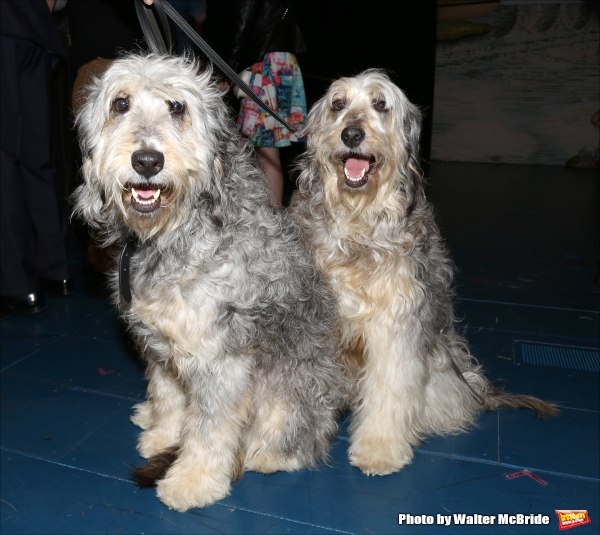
x,y
155,469
497,398
157,466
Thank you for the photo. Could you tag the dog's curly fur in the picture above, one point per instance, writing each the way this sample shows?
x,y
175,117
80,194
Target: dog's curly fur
x,y
374,236
237,326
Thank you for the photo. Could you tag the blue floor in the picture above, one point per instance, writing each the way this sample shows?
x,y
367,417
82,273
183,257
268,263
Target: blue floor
x,y
525,240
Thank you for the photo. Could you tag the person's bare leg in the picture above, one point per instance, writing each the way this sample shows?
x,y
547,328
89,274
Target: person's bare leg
x,y
270,163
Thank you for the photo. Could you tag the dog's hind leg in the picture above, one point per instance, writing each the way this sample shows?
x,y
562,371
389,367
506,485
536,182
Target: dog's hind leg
x,y
208,458
452,405
162,413
264,451
387,413
295,418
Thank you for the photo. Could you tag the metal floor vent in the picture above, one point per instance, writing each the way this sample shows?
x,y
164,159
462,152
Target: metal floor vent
x,y
573,358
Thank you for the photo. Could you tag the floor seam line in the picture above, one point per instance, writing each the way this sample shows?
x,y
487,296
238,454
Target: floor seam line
x,y
469,299
83,337
69,387
563,408
60,337
230,506
94,432
222,504
506,465
30,456
529,333
498,449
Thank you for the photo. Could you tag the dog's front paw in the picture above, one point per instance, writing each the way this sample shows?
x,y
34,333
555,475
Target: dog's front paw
x,y
380,456
142,415
183,491
153,441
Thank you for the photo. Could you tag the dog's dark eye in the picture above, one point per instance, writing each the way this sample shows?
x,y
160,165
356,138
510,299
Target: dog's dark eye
x,y
380,105
176,108
338,105
121,104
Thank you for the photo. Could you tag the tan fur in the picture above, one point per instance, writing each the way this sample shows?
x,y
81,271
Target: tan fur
x,y
266,430
353,355
163,413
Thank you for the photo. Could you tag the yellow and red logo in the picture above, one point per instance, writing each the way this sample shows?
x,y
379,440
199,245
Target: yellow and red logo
x,y
571,518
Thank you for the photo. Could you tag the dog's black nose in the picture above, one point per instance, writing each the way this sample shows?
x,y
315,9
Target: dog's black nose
x,y
147,162
352,136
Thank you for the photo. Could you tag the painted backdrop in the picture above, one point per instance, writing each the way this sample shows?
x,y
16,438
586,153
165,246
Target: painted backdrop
x,y
523,92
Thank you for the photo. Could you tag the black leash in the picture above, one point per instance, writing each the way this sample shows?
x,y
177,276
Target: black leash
x,y
124,263
153,36
151,29
456,369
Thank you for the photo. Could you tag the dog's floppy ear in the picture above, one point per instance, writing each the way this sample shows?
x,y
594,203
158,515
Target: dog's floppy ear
x,y
88,201
410,129
412,133
315,117
92,115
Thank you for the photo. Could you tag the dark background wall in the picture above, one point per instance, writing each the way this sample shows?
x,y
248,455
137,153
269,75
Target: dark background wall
x,y
347,37
344,38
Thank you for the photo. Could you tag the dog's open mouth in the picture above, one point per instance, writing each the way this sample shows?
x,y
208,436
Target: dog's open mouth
x,y
145,198
357,170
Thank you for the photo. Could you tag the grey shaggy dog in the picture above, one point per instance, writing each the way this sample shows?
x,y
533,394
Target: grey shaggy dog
x,y
365,218
237,326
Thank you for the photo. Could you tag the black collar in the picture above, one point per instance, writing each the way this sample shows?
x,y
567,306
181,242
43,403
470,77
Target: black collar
x,y
124,261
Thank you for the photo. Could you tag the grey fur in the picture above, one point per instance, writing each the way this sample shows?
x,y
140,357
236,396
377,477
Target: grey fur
x,y
261,344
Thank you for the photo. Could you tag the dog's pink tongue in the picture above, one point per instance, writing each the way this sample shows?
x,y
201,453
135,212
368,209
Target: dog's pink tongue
x,y
356,166
146,193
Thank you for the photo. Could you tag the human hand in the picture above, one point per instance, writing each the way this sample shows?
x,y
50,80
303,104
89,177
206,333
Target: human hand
x,y
148,2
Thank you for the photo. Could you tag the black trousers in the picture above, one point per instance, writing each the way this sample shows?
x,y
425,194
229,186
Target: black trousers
x,y
33,224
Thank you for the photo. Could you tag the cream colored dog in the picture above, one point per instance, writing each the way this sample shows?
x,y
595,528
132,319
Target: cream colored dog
x,y
364,216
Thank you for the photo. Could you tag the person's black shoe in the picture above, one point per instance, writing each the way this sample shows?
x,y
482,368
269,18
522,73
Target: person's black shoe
x,y
22,305
64,287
